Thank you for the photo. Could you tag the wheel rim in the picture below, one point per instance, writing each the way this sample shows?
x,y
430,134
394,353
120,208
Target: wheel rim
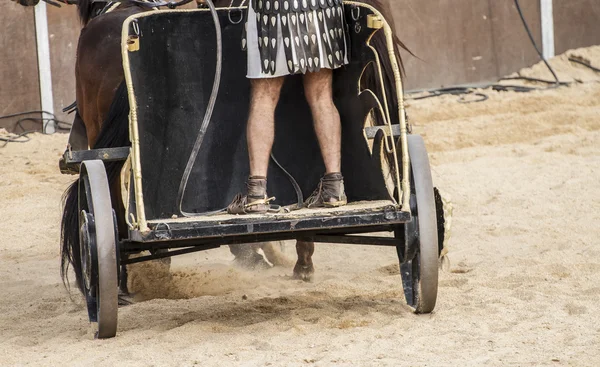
x,y
98,248
420,268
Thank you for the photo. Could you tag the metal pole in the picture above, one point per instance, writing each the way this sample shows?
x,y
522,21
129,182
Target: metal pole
x,y
547,28
43,53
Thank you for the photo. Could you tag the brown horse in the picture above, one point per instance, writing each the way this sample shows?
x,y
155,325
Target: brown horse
x,y
103,107
27,2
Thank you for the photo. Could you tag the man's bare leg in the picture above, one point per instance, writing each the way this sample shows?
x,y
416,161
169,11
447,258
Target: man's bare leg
x,y
260,133
328,128
261,123
318,90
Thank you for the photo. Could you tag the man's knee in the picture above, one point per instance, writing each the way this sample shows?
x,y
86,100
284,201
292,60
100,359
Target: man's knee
x,y
266,90
317,87
319,98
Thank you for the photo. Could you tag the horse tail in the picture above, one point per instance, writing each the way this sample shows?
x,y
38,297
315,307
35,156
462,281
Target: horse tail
x,y
113,133
69,235
84,9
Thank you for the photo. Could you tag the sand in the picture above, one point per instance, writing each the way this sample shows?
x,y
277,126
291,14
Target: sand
x,y
522,288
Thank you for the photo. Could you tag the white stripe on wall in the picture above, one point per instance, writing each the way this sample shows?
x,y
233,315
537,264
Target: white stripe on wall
x,y
547,28
43,52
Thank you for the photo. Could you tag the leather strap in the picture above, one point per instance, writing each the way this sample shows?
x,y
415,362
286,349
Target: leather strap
x,y
78,136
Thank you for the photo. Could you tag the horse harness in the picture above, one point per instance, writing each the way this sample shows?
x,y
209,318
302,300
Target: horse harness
x,y
108,6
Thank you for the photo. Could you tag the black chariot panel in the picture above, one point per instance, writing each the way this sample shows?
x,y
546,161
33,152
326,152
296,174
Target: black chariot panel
x,y
172,77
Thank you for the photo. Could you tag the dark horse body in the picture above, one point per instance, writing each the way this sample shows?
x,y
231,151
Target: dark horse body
x,y
103,107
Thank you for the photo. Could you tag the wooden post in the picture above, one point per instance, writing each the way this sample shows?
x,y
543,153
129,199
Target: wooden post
x,y
43,53
547,28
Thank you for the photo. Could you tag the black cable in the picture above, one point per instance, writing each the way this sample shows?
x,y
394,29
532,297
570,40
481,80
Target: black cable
x,y
23,136
24,114
470,89
15,138
581,62
530,79
43,120
482,98
533,41
465,90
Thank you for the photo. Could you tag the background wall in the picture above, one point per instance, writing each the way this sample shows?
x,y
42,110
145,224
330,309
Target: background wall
x,y
465,41
19,82
63,29
576,24
456,41
471,41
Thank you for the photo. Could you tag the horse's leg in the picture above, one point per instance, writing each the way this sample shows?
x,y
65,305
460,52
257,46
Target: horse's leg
x,y
274,254
304,269
247,257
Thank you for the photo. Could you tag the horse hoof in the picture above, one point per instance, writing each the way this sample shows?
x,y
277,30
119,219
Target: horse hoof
x,y
304,272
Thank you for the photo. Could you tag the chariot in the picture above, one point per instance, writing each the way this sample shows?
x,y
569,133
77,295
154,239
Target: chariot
x,y
189,97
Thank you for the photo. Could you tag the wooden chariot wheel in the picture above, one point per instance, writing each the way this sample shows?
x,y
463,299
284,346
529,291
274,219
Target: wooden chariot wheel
x,y
418,247
98,242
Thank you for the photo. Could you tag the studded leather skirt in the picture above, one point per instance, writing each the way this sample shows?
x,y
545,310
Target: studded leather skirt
x,y
284,37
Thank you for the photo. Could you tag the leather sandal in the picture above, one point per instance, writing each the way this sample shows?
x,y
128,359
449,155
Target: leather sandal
x,y
255,201
329,194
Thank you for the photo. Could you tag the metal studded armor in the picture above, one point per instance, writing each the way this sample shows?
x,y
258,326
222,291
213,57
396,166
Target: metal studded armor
x,y
311,33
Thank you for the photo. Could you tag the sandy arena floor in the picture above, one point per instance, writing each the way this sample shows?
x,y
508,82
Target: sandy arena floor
x,y
523,287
